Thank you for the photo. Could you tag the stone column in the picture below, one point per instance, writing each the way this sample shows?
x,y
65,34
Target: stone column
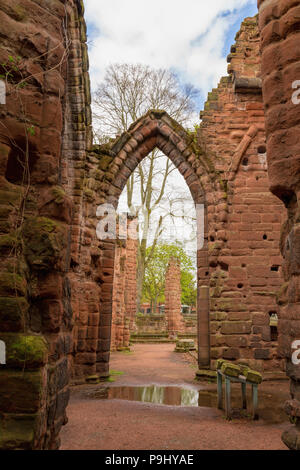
x,y
124,288
131,272
173,297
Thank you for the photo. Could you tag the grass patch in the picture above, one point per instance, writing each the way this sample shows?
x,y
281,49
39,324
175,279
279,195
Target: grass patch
x,y
109,379
115,372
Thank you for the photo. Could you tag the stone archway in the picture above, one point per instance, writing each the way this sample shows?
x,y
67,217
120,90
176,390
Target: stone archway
x,y
155,129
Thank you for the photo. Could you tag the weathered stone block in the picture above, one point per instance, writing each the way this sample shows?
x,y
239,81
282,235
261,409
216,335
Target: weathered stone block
x,y
29,352
21,392
230,369
262,353
253,376
44,242
13,313
235,327
231,353
17,431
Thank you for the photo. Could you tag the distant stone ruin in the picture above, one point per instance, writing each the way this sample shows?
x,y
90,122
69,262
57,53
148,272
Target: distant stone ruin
x,y
59,317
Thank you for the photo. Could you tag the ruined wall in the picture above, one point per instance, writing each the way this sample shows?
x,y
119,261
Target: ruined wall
x,y
280,44
56,276
173,298
225,167
44,134
124,291
244,225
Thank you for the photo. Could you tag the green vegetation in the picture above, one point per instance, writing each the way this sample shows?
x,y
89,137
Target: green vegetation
x,y
155,274
115,372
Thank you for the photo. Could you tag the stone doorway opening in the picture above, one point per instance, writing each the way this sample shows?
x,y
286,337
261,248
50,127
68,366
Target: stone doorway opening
x,y
155,275
155,130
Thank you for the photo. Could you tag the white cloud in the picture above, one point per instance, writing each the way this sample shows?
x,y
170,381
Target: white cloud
x,y
186,36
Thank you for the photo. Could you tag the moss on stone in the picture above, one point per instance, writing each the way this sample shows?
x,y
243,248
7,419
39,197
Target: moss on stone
x,y
89,194
17,431
219,363
44,241
105,161
59,194
10,197
13,312
230,369
21,391
29,352
244,369
5,211
8,242
12,284
253,376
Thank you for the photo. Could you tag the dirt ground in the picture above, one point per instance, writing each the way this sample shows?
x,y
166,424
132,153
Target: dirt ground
x,y
115,424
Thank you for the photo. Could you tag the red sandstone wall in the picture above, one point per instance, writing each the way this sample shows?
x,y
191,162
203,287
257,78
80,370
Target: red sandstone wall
x,y
173,298
57,277
244,224
280,40
124,292
45,124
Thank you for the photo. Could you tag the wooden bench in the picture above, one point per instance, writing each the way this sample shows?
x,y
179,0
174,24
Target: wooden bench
x,y
239,378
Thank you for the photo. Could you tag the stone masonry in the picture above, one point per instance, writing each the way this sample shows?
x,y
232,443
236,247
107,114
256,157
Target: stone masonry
x,y
173,298
57,277
244,219
44,135
280,44
124,291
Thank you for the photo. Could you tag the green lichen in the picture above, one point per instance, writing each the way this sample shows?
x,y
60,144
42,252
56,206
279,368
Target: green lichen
x,y
8,243
104,162
17,431
12,284
10,197
26,351
232,370
253,376
19,12
115,372
59,194
109,379
12,313
44,241
89,194
219,363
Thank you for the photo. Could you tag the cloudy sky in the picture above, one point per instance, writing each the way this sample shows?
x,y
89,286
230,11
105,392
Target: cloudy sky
x,y
191,37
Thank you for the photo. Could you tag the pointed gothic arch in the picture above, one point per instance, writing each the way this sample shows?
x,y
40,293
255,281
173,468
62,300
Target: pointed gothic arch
x,y
156,129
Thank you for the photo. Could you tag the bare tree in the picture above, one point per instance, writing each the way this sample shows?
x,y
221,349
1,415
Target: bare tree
x,y
127,92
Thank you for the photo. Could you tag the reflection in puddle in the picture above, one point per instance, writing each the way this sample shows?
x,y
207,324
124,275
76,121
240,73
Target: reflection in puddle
x,y
158,395
270,406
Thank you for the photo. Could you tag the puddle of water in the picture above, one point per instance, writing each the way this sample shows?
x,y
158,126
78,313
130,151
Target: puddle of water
x,y
270,405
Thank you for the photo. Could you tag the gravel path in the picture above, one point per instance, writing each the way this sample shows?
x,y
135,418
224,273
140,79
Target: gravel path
x,y
128,425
